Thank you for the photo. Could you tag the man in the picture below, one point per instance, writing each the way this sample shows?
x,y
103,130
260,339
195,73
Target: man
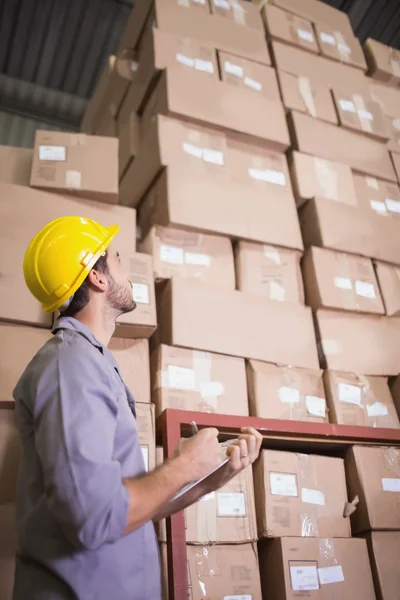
x,y
85,504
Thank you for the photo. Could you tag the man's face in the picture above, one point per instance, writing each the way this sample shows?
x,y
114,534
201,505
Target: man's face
x,y
119,294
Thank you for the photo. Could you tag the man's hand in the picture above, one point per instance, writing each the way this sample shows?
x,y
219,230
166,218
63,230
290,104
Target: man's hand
x,y
200,453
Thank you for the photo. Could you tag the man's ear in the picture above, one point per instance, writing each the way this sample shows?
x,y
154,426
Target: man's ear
x,y
97,280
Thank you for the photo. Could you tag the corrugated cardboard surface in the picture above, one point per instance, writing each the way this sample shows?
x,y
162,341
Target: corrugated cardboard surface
x,y
198,381
316,568
302,94
207,258
300,495
289,28
133,361
395,390
383,62
338,280
147,433
396,164
367,344
8,549
373,474
389,282
345,48
378,195
10,451
251,75
360,400
239,12
129,142
384,551
269,271
358,112
195,315
78,164
277,392
95,108
15,165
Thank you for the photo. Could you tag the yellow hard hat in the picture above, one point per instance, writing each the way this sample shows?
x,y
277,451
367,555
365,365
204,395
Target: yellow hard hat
x,y
61,255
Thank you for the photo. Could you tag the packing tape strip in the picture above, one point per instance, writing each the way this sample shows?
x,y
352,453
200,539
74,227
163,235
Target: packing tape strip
x,y
329,570
363,113
392,459
310,497
202,364
307,95
343,48
327,179
207,512
292,379
77,139
73,180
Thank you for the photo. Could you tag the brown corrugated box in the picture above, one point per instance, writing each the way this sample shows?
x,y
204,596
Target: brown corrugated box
x,y
195,315
373,474
355,343
395,390
324,568
133,361
278,392
302,94
382,197
360,400
108,127
239,12
300,495
23,212
335,143
269,271
343,281
313,176
389,100
198,381
288,28
358,112
8,549
207,258
15,165
76,163
384,551
349,229
389,283
249,74
146,426
129,142
383,62
96,106
10,452
345,48
396,164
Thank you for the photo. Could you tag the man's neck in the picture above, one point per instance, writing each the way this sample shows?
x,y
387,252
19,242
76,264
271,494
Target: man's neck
x,y
101,325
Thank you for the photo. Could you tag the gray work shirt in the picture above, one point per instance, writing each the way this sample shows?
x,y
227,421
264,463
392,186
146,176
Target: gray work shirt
x,y
79,439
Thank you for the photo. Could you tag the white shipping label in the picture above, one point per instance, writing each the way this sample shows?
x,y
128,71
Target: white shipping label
x,y
231,505
203,65
222,4
252,83
140,293
304,578
330,574
213,156
181,378
372,182
349,393
344,48
268,175
365,114
213,388
347,106
233,69
171,255
197,258
392,205
245,597
327,38
305,35
377,409
391,484
193,150
378,207
283,484
289,395
199,1
185,60
272,254
145,452
316,406
365,289
343,283
277,291
312,496
56,153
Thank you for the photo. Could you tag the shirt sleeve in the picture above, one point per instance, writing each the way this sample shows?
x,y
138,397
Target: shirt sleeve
x,y
74,427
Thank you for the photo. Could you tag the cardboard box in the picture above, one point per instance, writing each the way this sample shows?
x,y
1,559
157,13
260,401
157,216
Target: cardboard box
x,y
129,142
277,392
10,452
318,69
8,549
349,229
207,258
389,283
344,48
289,28
23,212
381,197
133,359
195,315
338,280
15,165
251,75
335,143
216,103
395,390
96,106
237,11
383,62
269,271
367,344
302,94
384,549
313,176
360,400
396,164
108,127
198,381
297,567
388,97
300,495
146,425
359,112
373,475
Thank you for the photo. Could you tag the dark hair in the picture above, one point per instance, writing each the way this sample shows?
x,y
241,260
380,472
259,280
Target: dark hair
x,y
81,296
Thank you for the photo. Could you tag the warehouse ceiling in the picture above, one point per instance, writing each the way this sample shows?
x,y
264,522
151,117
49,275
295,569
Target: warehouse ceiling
x,y
52,53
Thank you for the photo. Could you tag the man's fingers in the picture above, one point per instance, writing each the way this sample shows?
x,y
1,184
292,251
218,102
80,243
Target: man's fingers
x,y
233,452
256,434
209,432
